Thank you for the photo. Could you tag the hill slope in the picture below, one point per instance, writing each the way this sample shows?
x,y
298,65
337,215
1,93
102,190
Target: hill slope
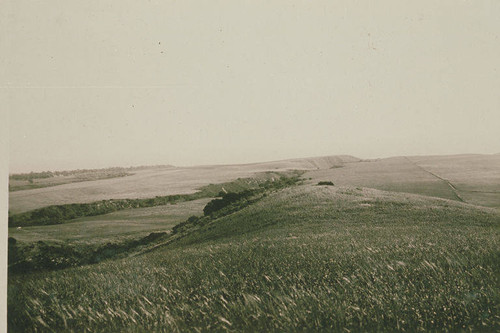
x,y
305,258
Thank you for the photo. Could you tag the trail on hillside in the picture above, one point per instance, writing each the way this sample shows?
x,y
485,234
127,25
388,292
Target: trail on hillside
x,y
452,187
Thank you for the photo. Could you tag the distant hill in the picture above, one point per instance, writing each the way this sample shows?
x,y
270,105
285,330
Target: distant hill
x,y
147,182
470,178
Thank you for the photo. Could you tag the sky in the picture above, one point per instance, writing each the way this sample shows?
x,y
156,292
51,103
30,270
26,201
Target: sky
x,y
92,84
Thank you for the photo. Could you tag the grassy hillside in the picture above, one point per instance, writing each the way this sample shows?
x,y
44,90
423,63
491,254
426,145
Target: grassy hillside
x,y
310,257
37,242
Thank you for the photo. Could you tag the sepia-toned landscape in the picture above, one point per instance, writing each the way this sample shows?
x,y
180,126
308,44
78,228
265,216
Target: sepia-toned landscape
x,y
250,166
322,244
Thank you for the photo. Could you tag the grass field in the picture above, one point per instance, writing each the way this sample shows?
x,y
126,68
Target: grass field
x,y
305,258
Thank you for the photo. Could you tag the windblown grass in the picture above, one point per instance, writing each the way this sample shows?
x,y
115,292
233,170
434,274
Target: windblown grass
x,y
308,258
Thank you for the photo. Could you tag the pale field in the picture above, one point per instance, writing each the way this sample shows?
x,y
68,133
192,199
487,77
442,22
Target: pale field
x,y
390,174
130,223
156,181
475,177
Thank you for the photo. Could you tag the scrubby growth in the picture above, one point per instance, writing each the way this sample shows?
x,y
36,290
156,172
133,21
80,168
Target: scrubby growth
x,y
226,200
31,175
325,183
231,202
42,256
80,172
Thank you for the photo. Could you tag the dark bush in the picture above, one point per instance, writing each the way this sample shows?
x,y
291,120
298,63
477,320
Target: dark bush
x,y
193,219
325,183
226,200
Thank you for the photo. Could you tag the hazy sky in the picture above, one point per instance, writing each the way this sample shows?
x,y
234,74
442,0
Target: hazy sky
x,y
97,83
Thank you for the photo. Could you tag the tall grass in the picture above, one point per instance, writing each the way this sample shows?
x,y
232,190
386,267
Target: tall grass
x,y
304,259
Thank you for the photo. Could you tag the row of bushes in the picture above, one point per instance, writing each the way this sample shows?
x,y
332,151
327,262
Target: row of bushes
x,y
50,174
226,200
58,214
233,201
230,202
32,175
232,197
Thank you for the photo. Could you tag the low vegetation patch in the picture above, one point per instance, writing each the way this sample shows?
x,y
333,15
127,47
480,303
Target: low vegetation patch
x,y
227,199
43,256
325,183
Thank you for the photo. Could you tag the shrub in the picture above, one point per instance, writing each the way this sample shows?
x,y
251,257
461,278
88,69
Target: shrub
x,y
324,182
226,200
